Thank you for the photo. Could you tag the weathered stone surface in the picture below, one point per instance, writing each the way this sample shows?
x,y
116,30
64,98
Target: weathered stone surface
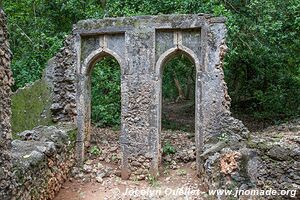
x,y
60,73
278,163
42,160
31,106
7,184
225,155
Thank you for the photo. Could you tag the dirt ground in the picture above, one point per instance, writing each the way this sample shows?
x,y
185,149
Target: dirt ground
x,y
179,115
166,187
100,176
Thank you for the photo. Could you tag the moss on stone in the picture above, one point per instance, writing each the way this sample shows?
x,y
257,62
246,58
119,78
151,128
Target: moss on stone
x,y
31,107
243,166
251,144
118,24
262,145
34,193
72,134
268,159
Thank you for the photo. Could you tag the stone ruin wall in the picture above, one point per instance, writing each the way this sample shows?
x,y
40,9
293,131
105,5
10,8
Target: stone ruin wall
x,y
61,76
6,81
140,80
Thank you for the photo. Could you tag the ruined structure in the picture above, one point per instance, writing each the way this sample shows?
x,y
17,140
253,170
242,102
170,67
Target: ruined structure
x,y
225,155
142,45
6,81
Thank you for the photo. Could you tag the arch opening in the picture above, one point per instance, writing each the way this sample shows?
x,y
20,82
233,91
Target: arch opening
x,y
106,93
100,114
177,110
105,111
178,93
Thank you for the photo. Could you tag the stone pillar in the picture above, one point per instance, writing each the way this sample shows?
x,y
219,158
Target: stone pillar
x,y
6,81
139,136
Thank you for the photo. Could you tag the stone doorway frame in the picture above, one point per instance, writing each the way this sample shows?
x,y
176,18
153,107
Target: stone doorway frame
x,y
84,71
162,60
133,43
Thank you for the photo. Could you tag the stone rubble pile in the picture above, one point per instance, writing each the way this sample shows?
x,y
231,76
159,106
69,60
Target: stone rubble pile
x,y
104,155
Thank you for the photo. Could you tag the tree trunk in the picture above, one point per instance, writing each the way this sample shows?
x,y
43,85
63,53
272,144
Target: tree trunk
x,y
179,89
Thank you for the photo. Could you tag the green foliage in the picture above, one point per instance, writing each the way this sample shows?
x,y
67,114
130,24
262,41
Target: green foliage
x,y
37,29
106,93
184,70
263,71
94,150
262,67
72,134
171,125
168,149
181,172
152,180
223,137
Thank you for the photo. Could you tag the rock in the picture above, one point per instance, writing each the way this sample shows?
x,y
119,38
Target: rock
x,y
75,170
167,158
279,153
135,163
55,107
99,179
295,154
117,173
99,166
191,155
146,165
213,149
148,156
28,135
138,171
113,149
88,162
87,168
107,159
104,172
101,158
193,165
141,159
79,176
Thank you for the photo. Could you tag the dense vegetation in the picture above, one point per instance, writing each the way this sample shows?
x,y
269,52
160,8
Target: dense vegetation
x,y
262,67
106,93
178,79
178,93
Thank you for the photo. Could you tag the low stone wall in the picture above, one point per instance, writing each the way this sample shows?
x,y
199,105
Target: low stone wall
x,y
42,159
139,167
